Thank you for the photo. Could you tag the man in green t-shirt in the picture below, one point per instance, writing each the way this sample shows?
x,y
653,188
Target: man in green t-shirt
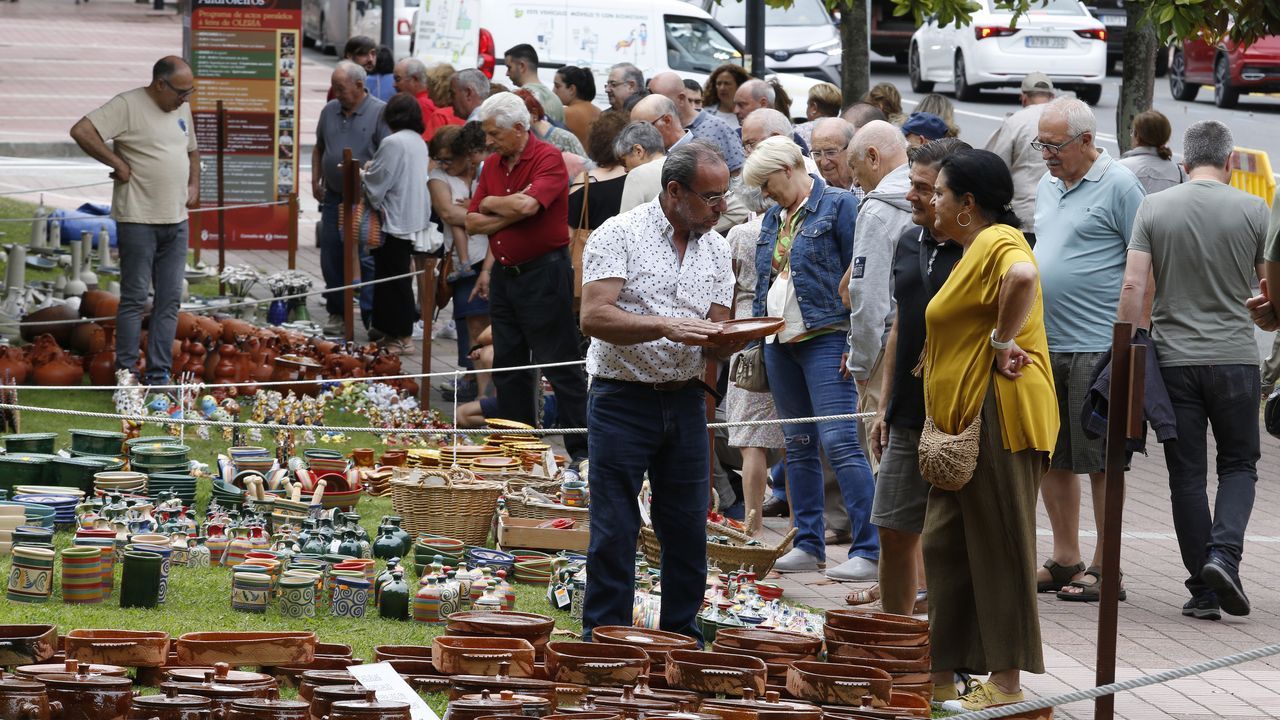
x,y
156,169
1203,241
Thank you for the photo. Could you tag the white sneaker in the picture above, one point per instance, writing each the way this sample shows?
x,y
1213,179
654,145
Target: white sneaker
x,y
417,330
797,560
336,325
856,569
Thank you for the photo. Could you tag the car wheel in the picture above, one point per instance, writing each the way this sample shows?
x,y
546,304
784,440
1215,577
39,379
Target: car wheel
x,y
913,71
964,91
1179,88
1224,96
1091,94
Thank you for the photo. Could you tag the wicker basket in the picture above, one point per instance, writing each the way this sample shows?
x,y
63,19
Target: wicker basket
x,y
726,557
520,507
460,507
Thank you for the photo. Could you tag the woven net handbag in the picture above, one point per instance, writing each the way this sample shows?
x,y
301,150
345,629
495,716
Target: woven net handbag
x,y
947,461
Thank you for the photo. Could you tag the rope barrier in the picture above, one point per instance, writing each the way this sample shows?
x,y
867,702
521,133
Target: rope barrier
x,y
232,306
52,189
318,380
385,431
90,216
1095,692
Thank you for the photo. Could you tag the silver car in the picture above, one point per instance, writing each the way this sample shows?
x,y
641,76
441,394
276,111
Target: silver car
x,y
802,39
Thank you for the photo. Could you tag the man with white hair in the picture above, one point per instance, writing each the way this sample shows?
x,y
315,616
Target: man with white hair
x,y
522,202
353,119
410,76
754,94
828,143
1204,242
1085,207
1012,142
704,126
766,123
624,81
640,148
469,87
660,112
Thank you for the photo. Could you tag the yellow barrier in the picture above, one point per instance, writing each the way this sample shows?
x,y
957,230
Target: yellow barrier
x,y
1251,172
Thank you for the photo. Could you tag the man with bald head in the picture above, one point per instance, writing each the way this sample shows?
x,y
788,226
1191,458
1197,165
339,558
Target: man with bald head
x,y
766,123
156,170
827,146
704,126
661,113
752,95
353,119
861,113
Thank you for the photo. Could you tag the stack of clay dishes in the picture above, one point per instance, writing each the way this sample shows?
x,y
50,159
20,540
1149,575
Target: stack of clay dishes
x,y
180,484
715,673
125,482
654,642
897,644
62,504
454,655
838,683
159,457
596,664
530,627
777,648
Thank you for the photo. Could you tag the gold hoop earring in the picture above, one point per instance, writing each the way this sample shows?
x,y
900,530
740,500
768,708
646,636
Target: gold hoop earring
x,y
966,223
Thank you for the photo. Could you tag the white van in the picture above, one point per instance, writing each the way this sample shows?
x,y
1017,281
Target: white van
x,y
328,24
654,35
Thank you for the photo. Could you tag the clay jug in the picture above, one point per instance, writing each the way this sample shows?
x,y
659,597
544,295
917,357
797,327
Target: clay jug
x,y
13,365
187,326
239,546
217,542
61,371
224,369
88,338
102,367
195,363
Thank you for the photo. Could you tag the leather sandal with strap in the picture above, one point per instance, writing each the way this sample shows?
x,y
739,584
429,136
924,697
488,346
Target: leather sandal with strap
x,y
1059,576
1089,591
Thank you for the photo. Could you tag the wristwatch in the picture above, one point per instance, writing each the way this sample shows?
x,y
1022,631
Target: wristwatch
x,y
1000,345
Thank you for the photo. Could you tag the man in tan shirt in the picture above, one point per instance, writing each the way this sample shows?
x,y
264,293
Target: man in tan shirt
x,y
154,162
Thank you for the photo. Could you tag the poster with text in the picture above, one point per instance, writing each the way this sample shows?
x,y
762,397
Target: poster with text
x,y
247,53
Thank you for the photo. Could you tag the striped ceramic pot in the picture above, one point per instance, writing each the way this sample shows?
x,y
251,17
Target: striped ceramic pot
x,y
107,566
426,604
82,575
250,591
298,596
31,575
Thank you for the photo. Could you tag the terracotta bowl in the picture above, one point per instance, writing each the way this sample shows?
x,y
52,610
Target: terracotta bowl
x,y
864,621
847,652
596,664
838,684
247,648
655,642
776,643
130,648
836,635
481,655
716,673
27,644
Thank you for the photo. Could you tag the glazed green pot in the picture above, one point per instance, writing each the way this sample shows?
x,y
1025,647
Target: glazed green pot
x,y
131,443
76,472
140,580
159,454
43,443
96,442
24,469
114,463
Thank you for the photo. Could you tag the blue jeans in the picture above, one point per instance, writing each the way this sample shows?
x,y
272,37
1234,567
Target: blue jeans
x,y
331,260
805,380
633,429
1224,397
150,255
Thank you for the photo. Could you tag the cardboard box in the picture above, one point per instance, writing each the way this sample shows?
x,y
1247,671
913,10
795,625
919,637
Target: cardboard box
x,y
525,533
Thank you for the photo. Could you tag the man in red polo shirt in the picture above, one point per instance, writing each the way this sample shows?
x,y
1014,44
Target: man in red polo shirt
x,y
522,204
411,77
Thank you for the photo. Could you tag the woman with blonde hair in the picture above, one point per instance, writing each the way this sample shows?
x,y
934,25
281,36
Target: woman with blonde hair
x,y
717,94
942,107
886,97
804,246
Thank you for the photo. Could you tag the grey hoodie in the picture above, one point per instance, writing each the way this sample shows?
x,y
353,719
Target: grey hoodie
x,y
882,218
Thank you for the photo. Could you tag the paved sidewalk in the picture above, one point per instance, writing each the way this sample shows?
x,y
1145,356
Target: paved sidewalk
x,y
63,60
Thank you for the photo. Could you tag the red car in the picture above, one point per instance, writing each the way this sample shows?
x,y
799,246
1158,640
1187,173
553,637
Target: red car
x,y
1230,68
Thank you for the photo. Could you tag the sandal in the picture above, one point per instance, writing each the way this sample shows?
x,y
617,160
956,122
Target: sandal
x,y
1089,591
1059,576
863,597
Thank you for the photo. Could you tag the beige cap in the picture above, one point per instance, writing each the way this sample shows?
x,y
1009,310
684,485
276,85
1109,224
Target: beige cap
x,y
1037,82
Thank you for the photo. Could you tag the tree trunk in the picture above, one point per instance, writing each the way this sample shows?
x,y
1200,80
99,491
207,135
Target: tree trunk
x,y
1138,82
855,64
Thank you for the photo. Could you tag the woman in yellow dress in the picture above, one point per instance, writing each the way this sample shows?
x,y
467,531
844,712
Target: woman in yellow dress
x,y
986,357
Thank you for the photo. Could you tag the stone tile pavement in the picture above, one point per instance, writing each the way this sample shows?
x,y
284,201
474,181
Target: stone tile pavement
x,y
63,59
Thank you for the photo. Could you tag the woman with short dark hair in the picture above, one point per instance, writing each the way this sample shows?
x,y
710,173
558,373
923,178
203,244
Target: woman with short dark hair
x,y
576,88
986,361
395,184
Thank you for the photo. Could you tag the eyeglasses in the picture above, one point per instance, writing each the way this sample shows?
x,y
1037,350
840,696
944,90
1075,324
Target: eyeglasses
x,y
1053,149
616,83
826,154
712,200
177,91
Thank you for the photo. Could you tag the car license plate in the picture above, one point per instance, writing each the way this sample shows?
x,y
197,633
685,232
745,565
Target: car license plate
x,y
1041,41
1114,20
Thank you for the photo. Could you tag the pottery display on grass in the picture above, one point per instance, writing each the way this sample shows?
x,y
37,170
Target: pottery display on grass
x,y
298,596
247,648
25,700
132,648
89,697
31,574
596,664
481,655
171,706
140,579
717,673
81,575
27,644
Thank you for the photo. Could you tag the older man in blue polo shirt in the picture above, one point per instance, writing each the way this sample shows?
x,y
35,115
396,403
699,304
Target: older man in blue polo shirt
x,y
1085,208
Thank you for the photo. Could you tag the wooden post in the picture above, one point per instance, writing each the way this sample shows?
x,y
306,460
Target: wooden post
x,y
293,231
427,306
350,243
1124,421
709,377
222,225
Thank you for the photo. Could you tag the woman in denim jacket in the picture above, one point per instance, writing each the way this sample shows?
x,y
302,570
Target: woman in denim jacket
x,y
804,248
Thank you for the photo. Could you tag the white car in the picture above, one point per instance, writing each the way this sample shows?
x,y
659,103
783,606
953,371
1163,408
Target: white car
x,y
1059,38
328,24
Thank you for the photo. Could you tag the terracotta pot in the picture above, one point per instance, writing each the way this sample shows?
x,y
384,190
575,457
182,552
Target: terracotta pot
x,y
88,338
628,704
222,696
310,680
531,626
596,664
132,648
480,656
325,696
14,366
838,684
772,642
26,644
31,672
717,673
268,709
501,703
90,697
25,700
102,367
171,706
61,314
655,642
59,372
247,648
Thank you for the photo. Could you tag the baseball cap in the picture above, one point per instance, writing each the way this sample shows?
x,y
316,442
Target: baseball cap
x,y
1037,82
926,125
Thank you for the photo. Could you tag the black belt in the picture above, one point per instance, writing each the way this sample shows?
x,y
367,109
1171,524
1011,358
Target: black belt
x,y
534,264
671,386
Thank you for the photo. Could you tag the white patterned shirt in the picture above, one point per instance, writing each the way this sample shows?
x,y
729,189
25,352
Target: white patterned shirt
x,y
637,246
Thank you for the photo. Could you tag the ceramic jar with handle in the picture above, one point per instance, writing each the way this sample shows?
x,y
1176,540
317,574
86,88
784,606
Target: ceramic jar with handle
x,y
26,700
85,696
369,708
269,709
171,706
198,555
31,575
